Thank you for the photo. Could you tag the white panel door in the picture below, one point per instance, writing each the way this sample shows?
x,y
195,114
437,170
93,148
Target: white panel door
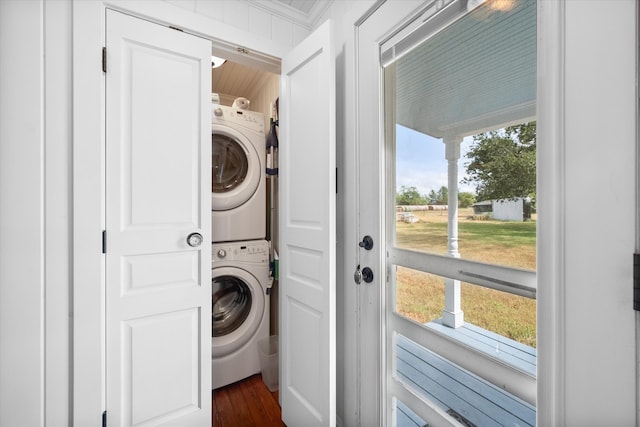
x,y
307,227
157,193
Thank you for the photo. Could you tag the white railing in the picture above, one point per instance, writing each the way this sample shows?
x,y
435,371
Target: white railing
x,y
506,279
512,280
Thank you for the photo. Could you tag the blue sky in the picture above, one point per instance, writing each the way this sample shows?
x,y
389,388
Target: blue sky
x,y
421,162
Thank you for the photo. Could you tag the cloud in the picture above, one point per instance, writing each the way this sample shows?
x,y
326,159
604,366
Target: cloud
x,y
423,180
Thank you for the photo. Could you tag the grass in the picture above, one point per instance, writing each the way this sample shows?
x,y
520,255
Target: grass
x,y
420,296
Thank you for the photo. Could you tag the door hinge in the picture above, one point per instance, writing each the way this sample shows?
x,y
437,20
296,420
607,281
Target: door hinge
x,y
104,241
636,282
104,59
104,419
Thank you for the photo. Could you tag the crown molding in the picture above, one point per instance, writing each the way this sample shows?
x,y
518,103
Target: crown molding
x,y
306,20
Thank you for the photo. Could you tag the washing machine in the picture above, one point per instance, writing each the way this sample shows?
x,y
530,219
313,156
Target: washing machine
x,y
240,289
238,184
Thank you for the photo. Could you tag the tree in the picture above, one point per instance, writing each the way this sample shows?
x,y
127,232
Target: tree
x,y
503,163
409,196
440,197
466,199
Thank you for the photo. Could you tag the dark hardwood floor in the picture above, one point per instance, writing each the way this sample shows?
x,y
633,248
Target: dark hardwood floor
x,y
245,403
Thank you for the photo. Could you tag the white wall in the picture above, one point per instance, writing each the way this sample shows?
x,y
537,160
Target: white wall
x,y
587,142
22,250
35,153
600,132
249,18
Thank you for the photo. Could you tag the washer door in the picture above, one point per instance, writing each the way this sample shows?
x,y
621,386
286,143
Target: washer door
x,y
237,309
235,168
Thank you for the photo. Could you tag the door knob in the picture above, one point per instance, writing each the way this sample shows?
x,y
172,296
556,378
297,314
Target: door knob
x,y
367,275
194,240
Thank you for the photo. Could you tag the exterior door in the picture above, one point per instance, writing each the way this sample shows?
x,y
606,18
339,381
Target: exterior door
x,y
434,76
307,233
158,207
587,370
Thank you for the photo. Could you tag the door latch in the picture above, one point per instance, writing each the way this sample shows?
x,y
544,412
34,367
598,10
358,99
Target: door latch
x,y
357,276
365,274
636,282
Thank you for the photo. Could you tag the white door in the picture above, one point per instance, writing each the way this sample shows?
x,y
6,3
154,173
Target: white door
x,y
307,227
158,294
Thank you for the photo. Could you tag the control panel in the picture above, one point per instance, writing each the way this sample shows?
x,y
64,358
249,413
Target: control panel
x,y
250,119
241,251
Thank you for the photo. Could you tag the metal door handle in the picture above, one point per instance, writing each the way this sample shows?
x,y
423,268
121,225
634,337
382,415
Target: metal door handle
x,y
194,240
365,274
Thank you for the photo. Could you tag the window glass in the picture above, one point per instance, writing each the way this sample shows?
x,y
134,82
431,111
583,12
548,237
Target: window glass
x,y
229,164
460,113
463,106
496,179
230,304
420,296
460,130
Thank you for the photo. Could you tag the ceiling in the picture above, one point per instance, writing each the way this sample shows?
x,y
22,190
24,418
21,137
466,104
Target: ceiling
x,y
237,79
302,12
477,74
304,6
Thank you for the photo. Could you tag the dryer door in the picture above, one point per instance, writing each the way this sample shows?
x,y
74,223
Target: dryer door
x,y
235,168
238,304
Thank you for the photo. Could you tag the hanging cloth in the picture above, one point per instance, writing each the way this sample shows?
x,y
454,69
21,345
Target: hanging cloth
x,y
272,143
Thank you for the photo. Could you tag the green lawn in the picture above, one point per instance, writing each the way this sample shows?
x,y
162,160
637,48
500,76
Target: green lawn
x,y
420,296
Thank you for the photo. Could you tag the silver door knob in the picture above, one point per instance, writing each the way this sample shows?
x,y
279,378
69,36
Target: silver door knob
x,y
194,240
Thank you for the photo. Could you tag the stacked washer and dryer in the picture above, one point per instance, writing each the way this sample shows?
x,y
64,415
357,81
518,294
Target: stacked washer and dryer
x,y
240,255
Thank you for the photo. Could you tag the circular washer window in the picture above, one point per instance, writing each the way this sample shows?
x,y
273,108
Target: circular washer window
x,y
235,168
229,164
231,304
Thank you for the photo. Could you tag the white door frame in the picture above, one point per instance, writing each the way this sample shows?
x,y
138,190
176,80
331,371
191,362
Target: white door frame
x,y
88,175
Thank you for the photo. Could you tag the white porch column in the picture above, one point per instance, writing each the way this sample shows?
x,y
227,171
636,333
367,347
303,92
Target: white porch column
x,y
452,314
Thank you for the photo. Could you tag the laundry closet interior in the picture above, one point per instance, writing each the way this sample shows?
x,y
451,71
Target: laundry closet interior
x,y
244,198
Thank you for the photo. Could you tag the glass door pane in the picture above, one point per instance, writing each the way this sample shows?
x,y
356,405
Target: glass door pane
x,y
460,125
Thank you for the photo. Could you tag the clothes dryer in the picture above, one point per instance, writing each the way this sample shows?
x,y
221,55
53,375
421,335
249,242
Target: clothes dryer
x,y
240,289
238,190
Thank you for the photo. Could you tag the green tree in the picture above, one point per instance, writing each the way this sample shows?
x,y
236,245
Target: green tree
x,y
440,197
503,163
466,199
409,196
